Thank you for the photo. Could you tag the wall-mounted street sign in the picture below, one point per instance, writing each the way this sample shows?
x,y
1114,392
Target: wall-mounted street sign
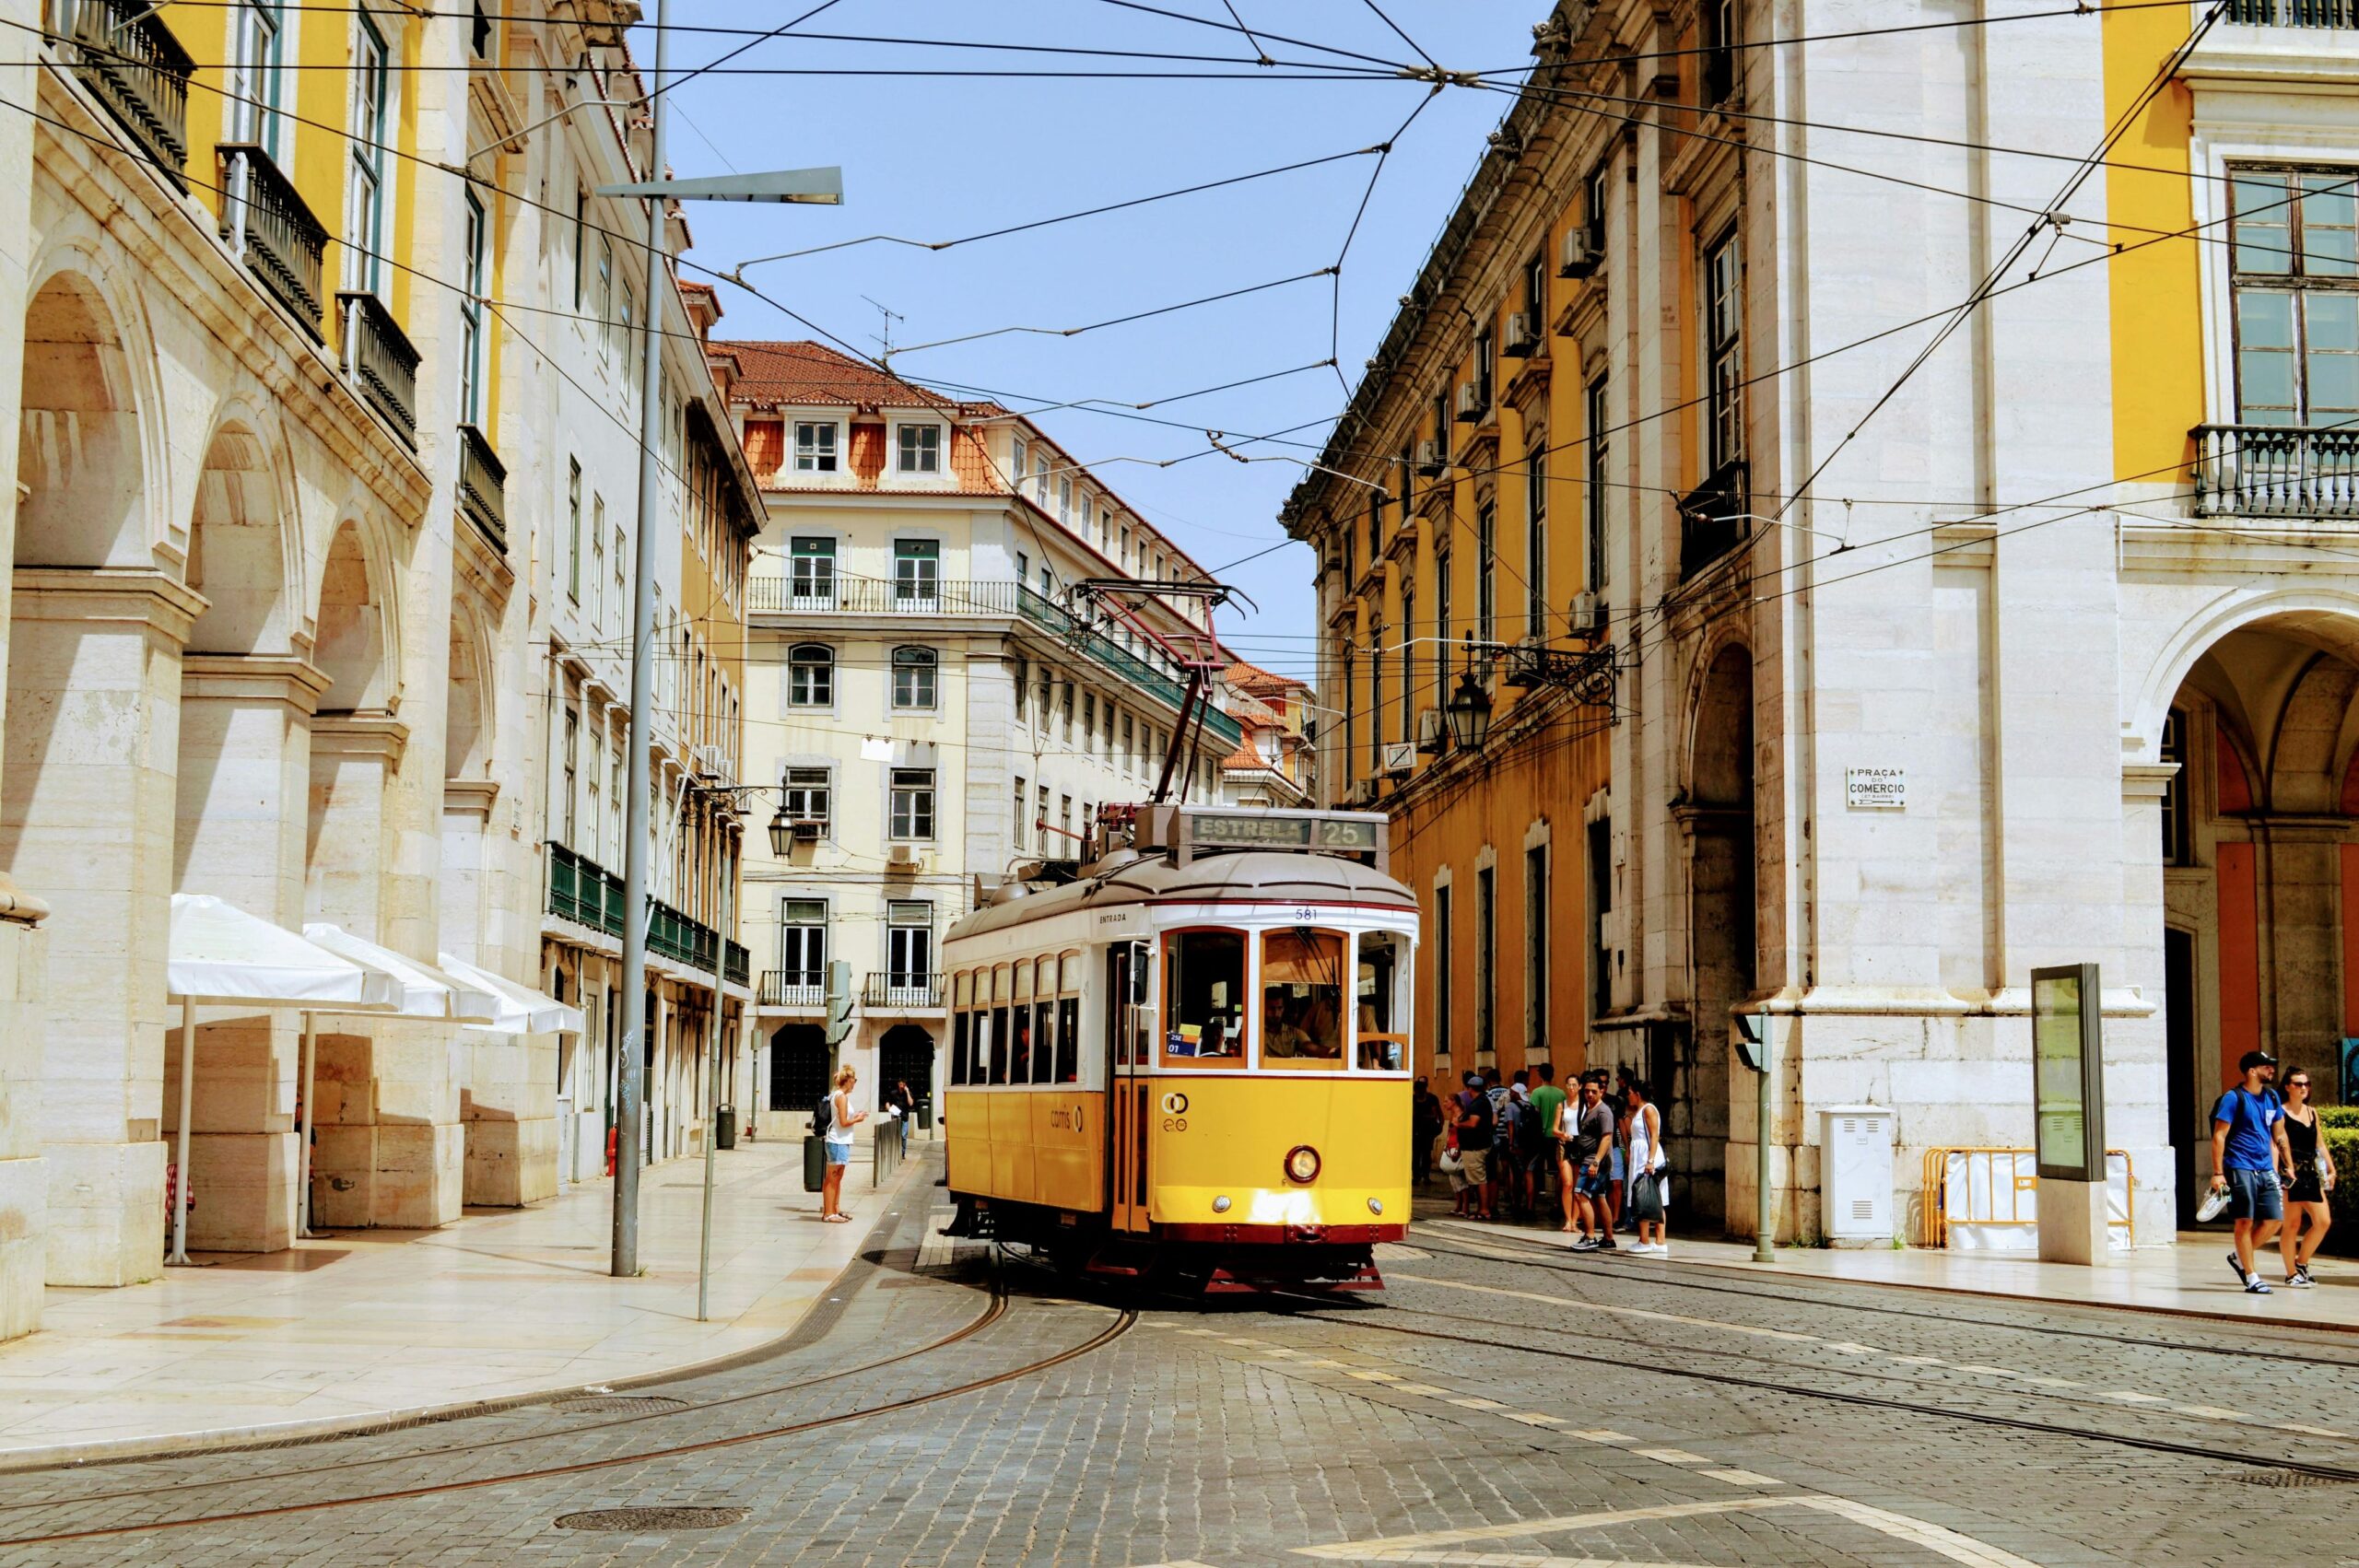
x,y
1876,789
2068,1073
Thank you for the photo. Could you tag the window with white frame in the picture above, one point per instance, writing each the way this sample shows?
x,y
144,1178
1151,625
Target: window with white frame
x,y
910,795
803,949
807,796
814,446
913,677
1724,352
811,572
909,943
252,95
811,675
2294,265
917,573
919,449
471,257
363,221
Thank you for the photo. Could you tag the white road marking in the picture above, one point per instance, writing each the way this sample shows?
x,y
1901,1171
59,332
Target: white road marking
x,y
1422,1548
2131,1397
1533,1418
1851,1349
1616,1311
1671,1455
1366,1376
1417,1388
1603,1434
1474,1404
1742,1478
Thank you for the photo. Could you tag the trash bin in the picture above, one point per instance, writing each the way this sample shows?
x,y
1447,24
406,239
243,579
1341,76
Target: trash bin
x,y
725,1127
925,1116
814,1162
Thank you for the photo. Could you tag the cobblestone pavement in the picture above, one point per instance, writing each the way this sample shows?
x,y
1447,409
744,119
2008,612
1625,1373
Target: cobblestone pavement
x,y
1497,1405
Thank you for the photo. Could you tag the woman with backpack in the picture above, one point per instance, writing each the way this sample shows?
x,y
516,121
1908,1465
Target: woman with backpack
x,y
842,1116
1646,1170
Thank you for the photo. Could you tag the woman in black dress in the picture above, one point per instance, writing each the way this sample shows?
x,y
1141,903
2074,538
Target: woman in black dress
x,y
2306,1217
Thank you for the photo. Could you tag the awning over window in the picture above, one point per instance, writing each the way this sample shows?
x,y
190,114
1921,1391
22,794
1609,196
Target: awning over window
x,y
426,991
523,1011
218,954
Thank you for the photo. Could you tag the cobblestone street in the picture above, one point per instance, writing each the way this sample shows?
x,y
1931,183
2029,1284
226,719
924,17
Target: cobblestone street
x,y
1498,1404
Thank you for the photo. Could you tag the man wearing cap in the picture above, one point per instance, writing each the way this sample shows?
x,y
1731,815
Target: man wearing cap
x,y
1476,1122
2248,1150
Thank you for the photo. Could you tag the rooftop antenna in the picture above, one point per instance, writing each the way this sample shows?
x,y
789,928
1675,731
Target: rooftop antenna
x,y
886,340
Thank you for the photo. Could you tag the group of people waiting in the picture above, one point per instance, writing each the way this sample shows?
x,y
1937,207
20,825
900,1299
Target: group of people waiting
x,y
1524,1147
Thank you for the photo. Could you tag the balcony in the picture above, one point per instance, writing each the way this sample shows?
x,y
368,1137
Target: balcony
x,y
1118,660
780,595
482,487
901,993
588,895
736,963
792,990
379,358
1711,520
131,64
270,228
2292,13
2275,471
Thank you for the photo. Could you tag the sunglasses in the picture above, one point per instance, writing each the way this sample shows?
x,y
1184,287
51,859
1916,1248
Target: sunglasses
x,y
2297,1084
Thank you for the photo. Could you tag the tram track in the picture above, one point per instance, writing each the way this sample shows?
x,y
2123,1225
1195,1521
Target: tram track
x,y
1663,1275
994,1311
1622,1363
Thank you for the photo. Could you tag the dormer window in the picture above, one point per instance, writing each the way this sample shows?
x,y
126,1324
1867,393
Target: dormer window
x,y
814,446
919,450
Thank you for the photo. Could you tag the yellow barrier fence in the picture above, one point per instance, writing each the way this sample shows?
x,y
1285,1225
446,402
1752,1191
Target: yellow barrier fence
x,y
1986,1194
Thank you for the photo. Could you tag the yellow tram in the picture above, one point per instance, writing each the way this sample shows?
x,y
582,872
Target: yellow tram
x,y
1190,1058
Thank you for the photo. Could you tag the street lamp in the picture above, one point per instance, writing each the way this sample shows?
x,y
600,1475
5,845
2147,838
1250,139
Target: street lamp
x,y
782,835
821,185
1470,713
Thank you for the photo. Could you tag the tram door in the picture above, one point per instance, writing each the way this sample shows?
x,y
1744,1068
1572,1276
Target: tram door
x,y
1130,1034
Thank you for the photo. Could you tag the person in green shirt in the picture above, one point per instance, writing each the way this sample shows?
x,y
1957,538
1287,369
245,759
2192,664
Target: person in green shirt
x,y
1546,1101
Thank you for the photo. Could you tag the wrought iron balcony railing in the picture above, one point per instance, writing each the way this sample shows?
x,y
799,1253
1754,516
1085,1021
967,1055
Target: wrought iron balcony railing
x,y
380,359
886,992
1120,661
123,51
268,224
2275,471
793,991
879,596
2292,13
1711,520
737,965
587,893
482,487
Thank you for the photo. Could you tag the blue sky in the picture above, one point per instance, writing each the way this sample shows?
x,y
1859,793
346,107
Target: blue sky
x,y
940,158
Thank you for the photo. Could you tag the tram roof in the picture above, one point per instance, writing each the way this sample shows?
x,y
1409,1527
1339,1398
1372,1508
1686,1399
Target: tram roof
x,y
1277,877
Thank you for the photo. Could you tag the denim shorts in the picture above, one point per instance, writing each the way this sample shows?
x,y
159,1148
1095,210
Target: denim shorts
x,y
2254,1195
1592,1183
839,1153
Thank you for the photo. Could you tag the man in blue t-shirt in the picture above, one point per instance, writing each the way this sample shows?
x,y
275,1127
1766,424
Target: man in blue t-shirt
x,y
2248,1150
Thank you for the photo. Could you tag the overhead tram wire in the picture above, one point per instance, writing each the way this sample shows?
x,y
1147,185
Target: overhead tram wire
x,y
759,293
1110,322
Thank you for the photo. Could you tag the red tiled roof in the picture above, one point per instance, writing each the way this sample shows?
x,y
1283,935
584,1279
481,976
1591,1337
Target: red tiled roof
x,y
809,374
1254,681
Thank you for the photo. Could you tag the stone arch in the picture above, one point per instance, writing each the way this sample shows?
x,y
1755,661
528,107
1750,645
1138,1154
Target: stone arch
x,y
354,642
1720,737
1690,1067
2309,732
2326,618
470,716
241,540
84,451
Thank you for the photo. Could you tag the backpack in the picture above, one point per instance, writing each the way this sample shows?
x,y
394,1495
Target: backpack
x,y
823,1115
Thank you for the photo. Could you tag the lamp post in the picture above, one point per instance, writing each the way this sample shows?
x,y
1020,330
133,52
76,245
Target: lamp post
x,y
819,185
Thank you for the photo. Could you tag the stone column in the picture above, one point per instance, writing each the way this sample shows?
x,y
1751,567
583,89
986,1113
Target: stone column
x,y
94,683
466,816
353,757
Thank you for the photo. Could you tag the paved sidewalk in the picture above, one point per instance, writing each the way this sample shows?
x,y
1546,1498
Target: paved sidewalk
x,y
2190,1279
363,1326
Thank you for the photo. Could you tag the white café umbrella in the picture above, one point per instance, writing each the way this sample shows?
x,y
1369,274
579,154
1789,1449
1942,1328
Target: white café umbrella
x,y
220,953
424,990
523,1011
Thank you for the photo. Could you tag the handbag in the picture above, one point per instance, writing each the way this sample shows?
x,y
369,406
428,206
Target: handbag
x,y
1452,1162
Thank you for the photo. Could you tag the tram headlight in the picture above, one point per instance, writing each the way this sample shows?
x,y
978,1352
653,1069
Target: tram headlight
x,y
1375,1205
1220,1204
1302,1163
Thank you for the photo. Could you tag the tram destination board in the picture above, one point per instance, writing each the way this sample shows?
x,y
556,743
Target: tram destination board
x,y
1185,832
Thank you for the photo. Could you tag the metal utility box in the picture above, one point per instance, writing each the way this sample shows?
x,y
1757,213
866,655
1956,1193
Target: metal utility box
x,y
1855,1162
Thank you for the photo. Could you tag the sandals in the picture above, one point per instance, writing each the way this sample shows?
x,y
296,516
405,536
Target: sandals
x,y
836,1219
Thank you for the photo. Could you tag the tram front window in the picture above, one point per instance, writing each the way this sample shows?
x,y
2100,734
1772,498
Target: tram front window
x,y
1383,1008
1203,990
1302,999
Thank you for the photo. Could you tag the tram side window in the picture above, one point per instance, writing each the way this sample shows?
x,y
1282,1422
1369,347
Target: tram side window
x,y
962,1028
1000,1040
1019,1028
960,1046
1044,1005
1383,1009
1069,1018
1203,987
1302,999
